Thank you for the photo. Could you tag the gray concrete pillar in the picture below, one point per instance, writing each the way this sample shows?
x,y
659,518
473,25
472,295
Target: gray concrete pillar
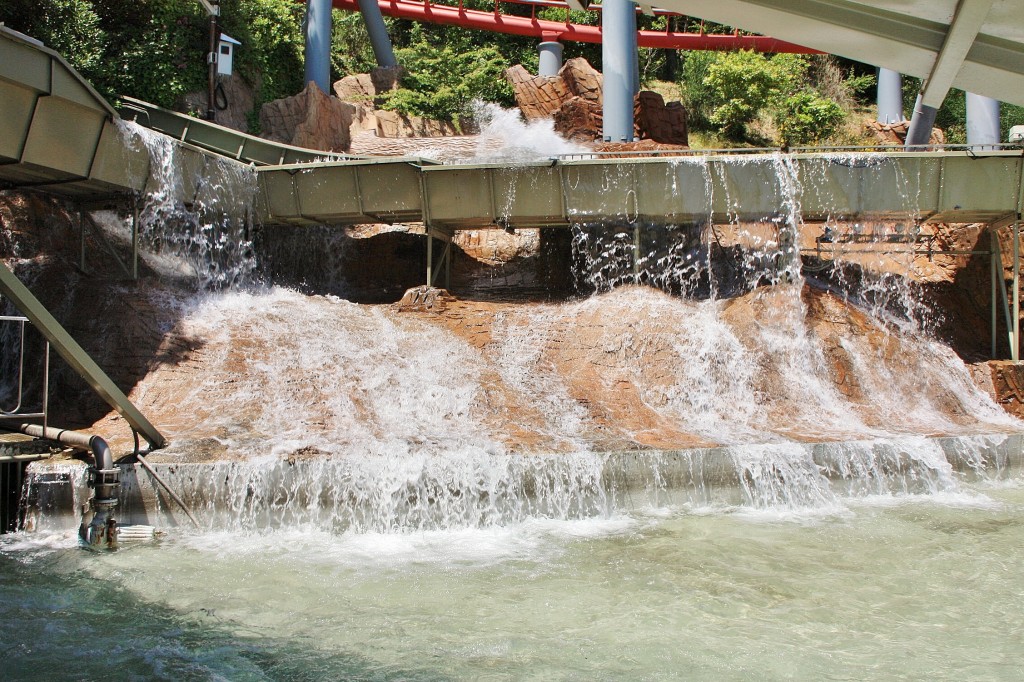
x,y
550,53
618,56
921,124
890,96
982,120
318,43
379,38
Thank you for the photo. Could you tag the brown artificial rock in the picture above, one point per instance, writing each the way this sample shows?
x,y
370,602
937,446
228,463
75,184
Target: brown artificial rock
x,y
896,133
311,119
660,122
537,96
579,120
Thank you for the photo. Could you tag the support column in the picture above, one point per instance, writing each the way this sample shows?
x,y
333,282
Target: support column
x,y
618,56
982,120
993,251
378,31
921,124
890,96
318,43
1015,348
550,53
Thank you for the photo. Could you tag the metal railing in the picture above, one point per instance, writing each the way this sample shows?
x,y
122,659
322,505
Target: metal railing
x,y
17,412
740,151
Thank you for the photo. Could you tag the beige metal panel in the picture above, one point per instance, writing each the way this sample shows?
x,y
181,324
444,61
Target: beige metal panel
x,y
850,186
459,196
17,103
120,162
216,139
328,194
675,190
279,194
190,168
528,196
24,64
750,188
985,185
63,136
390,190
261,152
599,191
70,86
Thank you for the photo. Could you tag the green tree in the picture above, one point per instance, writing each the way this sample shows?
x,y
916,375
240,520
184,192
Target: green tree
x,y
442,79
807,118
741,84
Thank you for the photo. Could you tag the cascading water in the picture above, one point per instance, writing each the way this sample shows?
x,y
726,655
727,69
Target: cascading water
x,y
579,490
357,418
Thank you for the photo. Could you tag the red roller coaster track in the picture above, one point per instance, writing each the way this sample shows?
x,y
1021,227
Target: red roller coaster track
x,y
546,29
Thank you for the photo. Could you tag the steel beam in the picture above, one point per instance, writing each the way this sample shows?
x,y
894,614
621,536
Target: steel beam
x,y
967,22
618,50
890,96
379,39
12,288
318,43
982,121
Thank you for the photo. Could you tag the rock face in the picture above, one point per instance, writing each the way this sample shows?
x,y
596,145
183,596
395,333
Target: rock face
x,y
311,119
579,120
364,88
238,100
896,133
318,121
574,100
655,120
363,92
536,96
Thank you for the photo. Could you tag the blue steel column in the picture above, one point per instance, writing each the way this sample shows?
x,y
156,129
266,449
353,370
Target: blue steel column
x,y
318,43
618,56
890,96
378,31
550,53
982,120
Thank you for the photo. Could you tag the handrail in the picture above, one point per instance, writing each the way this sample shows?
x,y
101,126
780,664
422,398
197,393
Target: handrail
x,y
15,412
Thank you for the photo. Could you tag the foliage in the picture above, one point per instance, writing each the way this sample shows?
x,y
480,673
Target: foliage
x,y
351,50
806,118
441,80
742,83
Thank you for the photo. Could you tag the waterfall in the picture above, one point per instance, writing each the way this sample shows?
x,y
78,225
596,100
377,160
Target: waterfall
x,y
703,370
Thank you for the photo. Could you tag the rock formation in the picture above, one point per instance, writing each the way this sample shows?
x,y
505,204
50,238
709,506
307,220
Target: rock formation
x,y
896,133
573,99
310,119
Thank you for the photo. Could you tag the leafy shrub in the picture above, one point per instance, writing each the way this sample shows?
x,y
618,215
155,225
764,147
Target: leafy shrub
x,y
442,80
807,118
740,84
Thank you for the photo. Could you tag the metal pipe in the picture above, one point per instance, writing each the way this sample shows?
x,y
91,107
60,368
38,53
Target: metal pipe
x,y
211,61
163,484
617,18
921,123
318,43
1015,351
550,58
890,96
993,274
982,121
378,30
99,528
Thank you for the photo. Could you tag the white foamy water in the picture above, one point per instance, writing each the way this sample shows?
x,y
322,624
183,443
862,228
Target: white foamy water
x,y
506,138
